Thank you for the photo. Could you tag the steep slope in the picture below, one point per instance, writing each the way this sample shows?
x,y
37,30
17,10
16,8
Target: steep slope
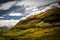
x,y
43,26
47,16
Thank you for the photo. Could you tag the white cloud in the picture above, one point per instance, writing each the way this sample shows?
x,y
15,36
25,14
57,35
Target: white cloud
x,y
7,5
8,23
15,14
35,2
35,9
31,9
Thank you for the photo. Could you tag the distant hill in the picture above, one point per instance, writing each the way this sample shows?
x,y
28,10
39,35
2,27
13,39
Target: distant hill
x,y
43,26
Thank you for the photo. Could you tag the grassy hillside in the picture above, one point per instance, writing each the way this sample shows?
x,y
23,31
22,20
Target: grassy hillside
x,y
43,26
49,17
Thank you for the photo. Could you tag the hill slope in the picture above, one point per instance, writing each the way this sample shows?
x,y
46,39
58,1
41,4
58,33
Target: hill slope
x,y
43,26
50,16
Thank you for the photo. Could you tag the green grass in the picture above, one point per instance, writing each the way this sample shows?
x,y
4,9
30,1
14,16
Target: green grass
x,y
33,34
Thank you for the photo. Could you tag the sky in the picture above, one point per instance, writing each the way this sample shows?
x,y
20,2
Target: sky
x,y
12,11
